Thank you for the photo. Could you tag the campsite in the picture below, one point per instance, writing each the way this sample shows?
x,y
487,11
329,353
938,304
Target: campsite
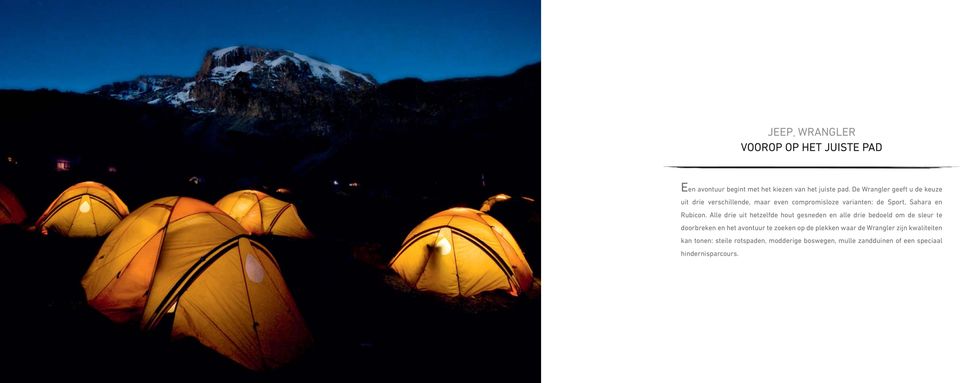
x,y
320,217
365,321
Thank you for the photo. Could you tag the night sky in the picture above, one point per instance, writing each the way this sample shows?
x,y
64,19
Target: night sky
x,y
79,45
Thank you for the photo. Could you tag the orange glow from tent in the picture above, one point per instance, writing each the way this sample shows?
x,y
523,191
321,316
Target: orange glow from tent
x,y
443,245
254,269
85,205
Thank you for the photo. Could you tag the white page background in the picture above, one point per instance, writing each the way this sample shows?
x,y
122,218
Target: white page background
x,y
631,88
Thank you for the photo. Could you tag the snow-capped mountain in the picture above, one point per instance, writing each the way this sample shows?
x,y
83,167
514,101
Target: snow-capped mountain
x,y
254,92
250,82
269,67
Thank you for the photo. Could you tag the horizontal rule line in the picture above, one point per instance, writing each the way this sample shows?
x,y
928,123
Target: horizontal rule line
x,y
809,167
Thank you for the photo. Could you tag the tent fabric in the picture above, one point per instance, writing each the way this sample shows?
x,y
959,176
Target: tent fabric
x,y
11,212
87,209
489,202
184,257
462,252
261,214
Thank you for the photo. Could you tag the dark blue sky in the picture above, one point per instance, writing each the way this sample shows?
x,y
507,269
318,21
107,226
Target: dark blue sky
x,y
78,45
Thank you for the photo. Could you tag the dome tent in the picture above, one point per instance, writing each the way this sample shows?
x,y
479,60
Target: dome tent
x,y
185,258
462,252
87,209
11,213
260,214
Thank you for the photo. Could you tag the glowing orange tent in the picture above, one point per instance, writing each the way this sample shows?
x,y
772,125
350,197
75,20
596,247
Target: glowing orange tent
x,y
260,213
87,209
11,213
462,252
184,258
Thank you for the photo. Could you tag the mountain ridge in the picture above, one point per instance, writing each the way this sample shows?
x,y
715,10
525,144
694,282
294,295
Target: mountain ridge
x,y
378,136
265,92
251,83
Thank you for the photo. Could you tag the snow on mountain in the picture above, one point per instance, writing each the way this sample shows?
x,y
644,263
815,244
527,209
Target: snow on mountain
x,y
133,90
322,69
220,52
149,89
241,80
222,75
225,63
183,96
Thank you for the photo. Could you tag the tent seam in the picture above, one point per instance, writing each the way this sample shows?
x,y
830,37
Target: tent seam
x,y
456,267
